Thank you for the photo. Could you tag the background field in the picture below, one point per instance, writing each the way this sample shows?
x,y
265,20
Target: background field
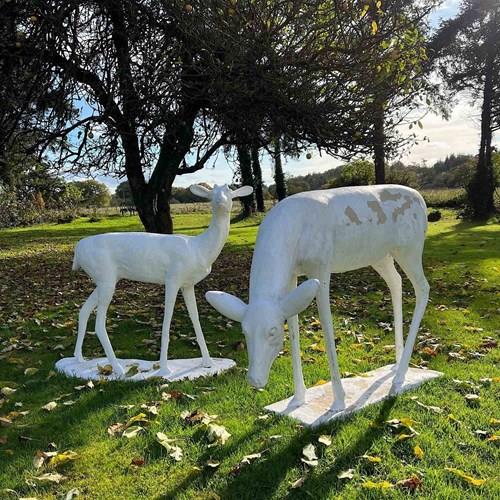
x,y
39,301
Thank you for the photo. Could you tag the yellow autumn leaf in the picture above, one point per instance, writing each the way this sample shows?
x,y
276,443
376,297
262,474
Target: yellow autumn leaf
x,y
365,10
494,437
62,458
382,485
372,459
494,421
374,27
418,452
321,382
469,479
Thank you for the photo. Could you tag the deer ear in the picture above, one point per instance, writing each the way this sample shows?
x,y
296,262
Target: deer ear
x,y
228,305
242,191
297,300
201,191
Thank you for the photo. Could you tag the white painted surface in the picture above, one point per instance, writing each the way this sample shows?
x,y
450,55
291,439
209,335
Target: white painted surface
x,y
315,234
177,261
180,369
360,392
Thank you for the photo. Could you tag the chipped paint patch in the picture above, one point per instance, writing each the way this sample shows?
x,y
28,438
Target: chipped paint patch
x,y
386,195
376,207
352,215
401,210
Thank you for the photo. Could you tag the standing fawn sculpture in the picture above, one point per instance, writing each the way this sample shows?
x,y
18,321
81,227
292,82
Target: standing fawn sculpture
x,y
315,234
177,261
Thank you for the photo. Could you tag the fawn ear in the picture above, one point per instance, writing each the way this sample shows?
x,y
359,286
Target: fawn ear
x,y
297,300
201,191
228,305
242,191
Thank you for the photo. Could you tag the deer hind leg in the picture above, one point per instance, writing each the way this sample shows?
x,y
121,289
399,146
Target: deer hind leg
x,y
105,294
190,300
299,396
390,275
410,260
83,318
325,316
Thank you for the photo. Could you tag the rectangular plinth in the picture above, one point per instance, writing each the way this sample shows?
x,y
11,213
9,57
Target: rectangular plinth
x,y
360,391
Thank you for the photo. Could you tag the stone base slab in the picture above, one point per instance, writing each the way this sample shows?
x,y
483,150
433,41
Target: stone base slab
x,y
360,391
180,369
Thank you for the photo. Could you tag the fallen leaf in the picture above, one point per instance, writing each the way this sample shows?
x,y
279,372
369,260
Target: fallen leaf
x,y
494,437
72,493
197,417
469,479
324,439
141,417
133,431
213,464
472,399
435,409
132,370
116,429
50,406
418,452
451,418
62,458
403,436
372,459
174,451
138,461
105,370
247,459
346,474
7,391
298,483
412,483
382,485
309,455
51,477
30,371
494,422
217,434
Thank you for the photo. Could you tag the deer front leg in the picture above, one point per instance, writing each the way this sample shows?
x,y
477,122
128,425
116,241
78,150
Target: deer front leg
x,y
299,397
325,316
171,290
190,300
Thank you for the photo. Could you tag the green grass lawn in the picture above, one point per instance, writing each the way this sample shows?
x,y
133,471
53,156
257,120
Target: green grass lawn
x,y
39,301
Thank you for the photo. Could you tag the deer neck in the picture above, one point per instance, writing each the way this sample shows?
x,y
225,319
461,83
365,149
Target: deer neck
x,y
213,239
274,261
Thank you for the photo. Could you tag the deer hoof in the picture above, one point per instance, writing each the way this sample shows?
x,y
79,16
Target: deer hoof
x,y
297,400
207,363
163,372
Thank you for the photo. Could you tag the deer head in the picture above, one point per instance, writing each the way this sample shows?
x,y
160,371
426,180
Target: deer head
x,y
221,196
262,322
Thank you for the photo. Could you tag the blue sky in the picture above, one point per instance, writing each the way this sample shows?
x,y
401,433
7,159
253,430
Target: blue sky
x,y
458,135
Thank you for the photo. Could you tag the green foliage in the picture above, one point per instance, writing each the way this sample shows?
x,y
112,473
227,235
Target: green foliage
x,y
355,173
92,193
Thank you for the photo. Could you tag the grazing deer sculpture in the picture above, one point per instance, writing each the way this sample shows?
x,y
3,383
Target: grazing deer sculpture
x,y
315,234
177,261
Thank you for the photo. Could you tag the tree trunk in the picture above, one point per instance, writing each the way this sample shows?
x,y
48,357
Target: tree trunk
x,y
379,142
257,175
245,162
481,188
279,177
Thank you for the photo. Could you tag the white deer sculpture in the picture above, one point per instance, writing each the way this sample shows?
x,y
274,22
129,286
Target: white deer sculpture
x,y
315,234
177,261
